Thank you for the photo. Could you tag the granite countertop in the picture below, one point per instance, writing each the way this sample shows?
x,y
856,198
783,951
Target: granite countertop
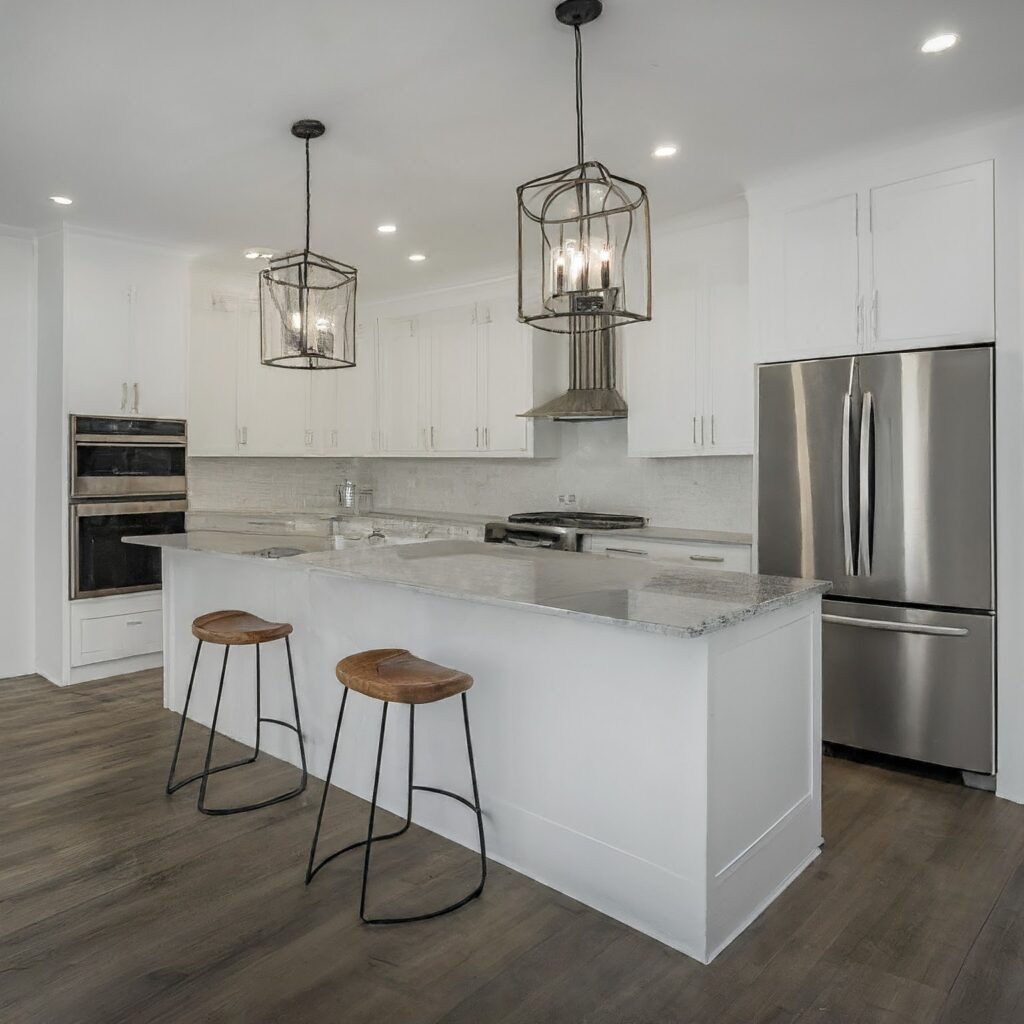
x,y
656,597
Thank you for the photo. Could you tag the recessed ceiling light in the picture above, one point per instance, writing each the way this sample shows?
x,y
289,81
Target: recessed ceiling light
x,y
939,43
256,254
387,229
417,257
61,200
665,150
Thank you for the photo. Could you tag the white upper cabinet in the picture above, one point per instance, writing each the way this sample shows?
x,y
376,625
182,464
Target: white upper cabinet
x,y
125,327
505,388
933,260
875,267
215,340
401,380
689,372
273,403
821,277
454,423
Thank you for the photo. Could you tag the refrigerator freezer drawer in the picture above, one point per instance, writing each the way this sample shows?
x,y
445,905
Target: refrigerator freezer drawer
x,y
910,682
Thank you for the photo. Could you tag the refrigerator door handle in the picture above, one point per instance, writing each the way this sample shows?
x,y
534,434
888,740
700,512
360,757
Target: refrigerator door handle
x,y
849,563
895,627
867,482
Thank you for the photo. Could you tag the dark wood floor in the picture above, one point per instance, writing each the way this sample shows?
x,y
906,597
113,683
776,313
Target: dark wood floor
x,y
118,903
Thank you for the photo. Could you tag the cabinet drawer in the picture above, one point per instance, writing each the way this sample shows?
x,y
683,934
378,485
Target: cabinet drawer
x,y
696,554
105,635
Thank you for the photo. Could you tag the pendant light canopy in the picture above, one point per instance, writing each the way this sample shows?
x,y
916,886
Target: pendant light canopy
x,y
307,301
584,256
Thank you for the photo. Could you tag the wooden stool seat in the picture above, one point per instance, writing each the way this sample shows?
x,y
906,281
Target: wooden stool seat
x,y
234,627
398,677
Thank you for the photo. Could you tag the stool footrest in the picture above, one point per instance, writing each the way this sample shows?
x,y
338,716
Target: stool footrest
x,y
213,771
277,721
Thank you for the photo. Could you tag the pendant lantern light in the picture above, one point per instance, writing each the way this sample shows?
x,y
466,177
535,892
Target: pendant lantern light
x,y
584,256
307,301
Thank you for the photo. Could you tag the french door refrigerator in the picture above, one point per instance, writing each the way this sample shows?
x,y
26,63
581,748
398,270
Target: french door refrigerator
x,y
876,472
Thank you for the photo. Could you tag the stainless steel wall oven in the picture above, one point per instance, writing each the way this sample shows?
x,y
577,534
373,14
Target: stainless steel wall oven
x,y
128,478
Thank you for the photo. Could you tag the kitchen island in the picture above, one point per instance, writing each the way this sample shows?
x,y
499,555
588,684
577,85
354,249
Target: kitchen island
x,y
647,736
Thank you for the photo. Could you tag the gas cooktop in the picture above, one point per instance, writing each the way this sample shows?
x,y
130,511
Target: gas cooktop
x,y
580,520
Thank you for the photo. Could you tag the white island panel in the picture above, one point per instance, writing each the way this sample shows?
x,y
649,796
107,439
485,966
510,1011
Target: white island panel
x,y
633,770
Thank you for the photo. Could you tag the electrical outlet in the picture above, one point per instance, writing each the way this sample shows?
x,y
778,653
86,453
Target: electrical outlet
x,y
567,500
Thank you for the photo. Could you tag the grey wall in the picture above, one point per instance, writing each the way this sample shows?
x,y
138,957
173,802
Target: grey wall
x,y
709,493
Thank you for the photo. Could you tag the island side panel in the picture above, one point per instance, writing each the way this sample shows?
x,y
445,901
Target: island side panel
x,y
764,742
589,737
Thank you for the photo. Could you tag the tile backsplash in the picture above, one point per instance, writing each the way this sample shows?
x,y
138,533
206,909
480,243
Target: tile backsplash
x,y
700,493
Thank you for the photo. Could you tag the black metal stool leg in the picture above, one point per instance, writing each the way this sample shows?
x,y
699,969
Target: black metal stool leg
x,y
295,705
171,787
310,869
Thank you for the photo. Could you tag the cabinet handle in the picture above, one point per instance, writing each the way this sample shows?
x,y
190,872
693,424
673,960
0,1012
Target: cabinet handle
x,y
135,388
702,430
134,622
694,429
627,551
124,396
487,437
707,558
874,316
431,438
860,319
712,428
243,435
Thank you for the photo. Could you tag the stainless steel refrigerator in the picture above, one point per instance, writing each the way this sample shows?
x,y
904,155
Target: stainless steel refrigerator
x,y
876,472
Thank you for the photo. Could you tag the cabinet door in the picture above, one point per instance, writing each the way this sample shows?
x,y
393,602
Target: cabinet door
x,y
661,369
357,406
933,258
730,367
159,334
97,326
403,425
506,378
821,312
454,360
214,345
323,436
273,403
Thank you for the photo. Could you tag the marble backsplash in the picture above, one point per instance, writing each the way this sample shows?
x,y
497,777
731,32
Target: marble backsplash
x,y
698,493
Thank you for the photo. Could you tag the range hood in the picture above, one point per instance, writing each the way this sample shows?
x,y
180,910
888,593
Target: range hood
x,y
592,393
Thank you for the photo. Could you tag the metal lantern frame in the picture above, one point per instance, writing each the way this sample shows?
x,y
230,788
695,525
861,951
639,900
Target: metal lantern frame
x,y
566,212
287,286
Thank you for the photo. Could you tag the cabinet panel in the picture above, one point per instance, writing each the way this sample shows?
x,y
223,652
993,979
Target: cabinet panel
x,y
933,253
272,402
506,385
454,355
730,394
661,361
97,326
159,331
821,278
402,423
696,554
213,365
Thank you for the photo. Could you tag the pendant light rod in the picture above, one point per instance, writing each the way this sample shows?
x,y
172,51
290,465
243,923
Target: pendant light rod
x,y
579,94
307,197
308,128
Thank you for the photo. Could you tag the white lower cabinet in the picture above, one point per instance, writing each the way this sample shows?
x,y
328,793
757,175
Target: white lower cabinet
x,y
109,628
696,554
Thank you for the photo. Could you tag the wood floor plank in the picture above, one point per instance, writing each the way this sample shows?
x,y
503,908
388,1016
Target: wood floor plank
x,y
119,903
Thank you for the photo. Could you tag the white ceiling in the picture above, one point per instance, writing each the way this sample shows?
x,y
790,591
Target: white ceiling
x,y
169,120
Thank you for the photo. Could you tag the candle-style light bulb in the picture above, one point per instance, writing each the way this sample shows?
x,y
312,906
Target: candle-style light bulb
x,y
606,267
296,320
559,271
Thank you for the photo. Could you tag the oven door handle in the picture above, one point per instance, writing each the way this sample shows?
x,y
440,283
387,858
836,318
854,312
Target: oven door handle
x,y
83,510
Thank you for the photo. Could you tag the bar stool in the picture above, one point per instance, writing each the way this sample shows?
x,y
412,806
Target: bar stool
x,y
394,676
236,629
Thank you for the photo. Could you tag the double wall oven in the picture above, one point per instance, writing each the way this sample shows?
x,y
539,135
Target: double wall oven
x,y
127,479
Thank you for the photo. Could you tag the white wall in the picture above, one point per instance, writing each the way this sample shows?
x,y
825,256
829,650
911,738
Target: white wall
x,y
17,451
